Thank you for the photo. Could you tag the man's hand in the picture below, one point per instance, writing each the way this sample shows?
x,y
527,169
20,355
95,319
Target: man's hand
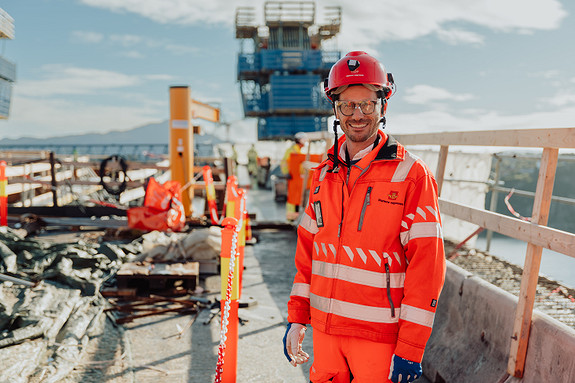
x,y
403,370
293,339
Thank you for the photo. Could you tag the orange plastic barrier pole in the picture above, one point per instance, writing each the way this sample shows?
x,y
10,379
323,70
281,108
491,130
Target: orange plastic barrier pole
x,y
231,196
241,214
211,194
3,195
235,206
226,369
248,226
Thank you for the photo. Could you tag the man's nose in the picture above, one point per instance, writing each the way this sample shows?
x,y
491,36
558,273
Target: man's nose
x,y
357,113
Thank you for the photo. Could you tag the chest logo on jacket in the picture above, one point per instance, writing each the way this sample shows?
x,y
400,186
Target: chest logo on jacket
x,y
392,196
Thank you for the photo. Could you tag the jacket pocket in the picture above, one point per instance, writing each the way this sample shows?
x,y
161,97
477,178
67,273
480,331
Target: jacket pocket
x,y
366,202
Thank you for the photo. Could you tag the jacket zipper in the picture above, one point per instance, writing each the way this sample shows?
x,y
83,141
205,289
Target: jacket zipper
x,y
366,202
388,280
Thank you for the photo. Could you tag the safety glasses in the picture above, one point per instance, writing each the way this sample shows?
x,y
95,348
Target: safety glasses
x,y
348,107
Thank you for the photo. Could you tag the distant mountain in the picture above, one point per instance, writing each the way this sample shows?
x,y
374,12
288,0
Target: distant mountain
x,y
157,133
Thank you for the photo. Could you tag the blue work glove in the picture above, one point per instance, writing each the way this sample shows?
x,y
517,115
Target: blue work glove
x,y
292,340
403,370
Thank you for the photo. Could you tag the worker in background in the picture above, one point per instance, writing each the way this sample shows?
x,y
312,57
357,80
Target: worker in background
x,y
252,161
234,155
299,141
370,259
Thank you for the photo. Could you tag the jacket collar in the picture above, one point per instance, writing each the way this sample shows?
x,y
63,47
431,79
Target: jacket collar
x,y
387,149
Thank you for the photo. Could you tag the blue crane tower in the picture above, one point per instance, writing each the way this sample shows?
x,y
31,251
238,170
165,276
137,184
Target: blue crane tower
x,y
7,68
281,67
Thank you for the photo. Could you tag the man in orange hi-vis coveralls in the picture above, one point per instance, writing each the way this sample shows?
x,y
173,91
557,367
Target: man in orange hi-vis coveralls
x,y
370,259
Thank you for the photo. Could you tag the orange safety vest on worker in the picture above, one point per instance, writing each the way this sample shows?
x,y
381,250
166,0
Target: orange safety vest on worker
x,y
284,164
370,259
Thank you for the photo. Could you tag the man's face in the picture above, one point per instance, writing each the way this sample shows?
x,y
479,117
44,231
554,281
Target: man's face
x,y
359,127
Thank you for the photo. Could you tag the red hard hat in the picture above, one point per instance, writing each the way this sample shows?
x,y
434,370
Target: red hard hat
x,y
358,68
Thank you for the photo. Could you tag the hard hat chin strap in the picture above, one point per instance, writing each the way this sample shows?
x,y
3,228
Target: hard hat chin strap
x,y
335,167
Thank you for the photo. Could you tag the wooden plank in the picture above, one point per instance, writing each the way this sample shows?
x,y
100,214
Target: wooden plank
x,y
552,239
523,138
440,171
522,326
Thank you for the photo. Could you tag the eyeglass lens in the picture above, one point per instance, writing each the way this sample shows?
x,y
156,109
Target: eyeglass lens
x,y
348,107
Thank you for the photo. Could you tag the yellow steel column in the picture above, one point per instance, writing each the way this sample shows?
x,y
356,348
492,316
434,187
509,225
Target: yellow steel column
x,y
182,143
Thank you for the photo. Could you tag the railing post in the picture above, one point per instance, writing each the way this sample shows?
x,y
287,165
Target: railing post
x,y
540,215
493,202
3,195
441,162
54,182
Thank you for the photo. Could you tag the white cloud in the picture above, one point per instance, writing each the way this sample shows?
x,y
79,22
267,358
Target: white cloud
x,y
439,121
87,37
375,20
458,36
63,80
58,117
126,40
132,41
424,94
132,54
563,98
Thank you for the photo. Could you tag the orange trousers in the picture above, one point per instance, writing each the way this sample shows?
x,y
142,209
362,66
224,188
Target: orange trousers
x,y
339,359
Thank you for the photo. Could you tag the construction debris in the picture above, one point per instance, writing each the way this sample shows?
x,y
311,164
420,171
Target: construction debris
x,y
51,293
202,245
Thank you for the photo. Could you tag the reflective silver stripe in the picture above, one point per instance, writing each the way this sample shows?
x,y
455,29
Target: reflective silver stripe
x,y
355,275
397,257
324,249
376,257
349,252
300,290
403,168
421,230
417,315
316,247
309,224
362,255
421,212
332,248
433,211
352,310
323,173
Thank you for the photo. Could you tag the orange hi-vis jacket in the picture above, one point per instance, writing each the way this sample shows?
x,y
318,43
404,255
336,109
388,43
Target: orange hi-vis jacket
x,y
370,259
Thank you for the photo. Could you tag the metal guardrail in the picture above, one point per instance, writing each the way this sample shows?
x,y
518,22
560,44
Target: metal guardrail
x,y
140,152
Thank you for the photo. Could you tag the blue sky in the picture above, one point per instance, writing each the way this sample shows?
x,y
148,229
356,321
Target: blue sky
x,y
87,66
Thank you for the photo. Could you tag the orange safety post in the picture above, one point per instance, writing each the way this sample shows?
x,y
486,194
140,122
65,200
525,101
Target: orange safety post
x,y
231,196
248,227
3,195
226,369
235,203
211,194
241,214
182,144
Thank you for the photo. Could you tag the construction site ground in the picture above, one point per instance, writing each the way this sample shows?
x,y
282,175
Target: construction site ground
x,y
184,348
